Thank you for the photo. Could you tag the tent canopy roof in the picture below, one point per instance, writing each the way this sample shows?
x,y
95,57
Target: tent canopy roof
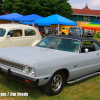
x,y
32,18
55,19
31,23
11,16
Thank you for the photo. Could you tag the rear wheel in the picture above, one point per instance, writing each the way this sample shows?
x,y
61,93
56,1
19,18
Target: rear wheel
x,y
55,84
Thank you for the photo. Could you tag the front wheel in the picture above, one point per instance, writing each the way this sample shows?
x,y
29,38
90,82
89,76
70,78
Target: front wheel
x,y
55,84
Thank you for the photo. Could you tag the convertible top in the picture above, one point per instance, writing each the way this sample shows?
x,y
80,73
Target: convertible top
x,y
73,37
77,38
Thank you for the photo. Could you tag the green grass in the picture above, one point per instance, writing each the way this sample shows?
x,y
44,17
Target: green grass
x,y
95,37
86,90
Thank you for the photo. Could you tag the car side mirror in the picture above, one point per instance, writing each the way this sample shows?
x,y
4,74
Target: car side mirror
x,y
86,50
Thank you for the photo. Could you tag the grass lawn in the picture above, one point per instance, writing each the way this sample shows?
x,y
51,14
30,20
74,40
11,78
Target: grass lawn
x,y
95,37
86,90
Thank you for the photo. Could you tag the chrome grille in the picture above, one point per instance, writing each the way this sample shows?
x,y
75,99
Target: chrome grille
x,y
11,64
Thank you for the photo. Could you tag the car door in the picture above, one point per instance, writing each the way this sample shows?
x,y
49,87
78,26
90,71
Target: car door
x,y
30,36
14,38
86,62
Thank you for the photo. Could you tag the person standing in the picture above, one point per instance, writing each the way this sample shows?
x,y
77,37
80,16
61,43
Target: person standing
x,y
56,30
46,31
36,26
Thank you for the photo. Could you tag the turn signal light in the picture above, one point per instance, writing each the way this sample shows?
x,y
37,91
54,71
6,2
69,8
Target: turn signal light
x,y
26,81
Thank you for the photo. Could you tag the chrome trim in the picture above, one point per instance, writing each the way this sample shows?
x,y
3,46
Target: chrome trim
x,y
83,78
11,64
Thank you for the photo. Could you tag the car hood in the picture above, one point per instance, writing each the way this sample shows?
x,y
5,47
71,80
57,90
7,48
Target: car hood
x,y
25,55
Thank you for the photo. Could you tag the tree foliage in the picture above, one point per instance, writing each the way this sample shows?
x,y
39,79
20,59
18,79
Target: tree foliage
x,y
1,7
39,7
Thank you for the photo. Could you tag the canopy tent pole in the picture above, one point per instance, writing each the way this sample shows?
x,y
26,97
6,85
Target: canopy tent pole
x,y
77,30
33,23
58,29
53,29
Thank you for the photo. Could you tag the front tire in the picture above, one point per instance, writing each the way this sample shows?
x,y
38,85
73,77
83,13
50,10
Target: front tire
x,y
55,84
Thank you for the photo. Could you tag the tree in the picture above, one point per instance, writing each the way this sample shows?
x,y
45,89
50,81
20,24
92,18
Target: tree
x,y
1,8
39,7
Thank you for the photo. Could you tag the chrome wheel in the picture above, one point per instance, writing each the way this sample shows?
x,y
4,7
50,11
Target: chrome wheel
x,y
56,82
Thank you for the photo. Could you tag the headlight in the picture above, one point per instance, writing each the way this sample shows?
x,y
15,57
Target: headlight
x,y
26,69
29,70
33,72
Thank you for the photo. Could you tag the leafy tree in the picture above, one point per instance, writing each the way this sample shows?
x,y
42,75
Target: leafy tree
x,y
39,7
1,8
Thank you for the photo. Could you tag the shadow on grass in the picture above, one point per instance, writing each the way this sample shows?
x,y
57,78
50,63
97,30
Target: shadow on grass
x,y
14,86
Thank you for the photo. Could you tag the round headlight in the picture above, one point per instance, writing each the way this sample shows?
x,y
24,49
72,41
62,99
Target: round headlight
x,y
26,69
33,72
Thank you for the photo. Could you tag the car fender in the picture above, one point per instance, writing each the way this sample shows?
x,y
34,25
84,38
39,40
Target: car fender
x,y
44,80
34,43
46,72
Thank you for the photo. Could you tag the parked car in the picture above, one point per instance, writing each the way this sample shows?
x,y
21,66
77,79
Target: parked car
x,y
64,31
46,29
88,33
76,31
52,62
98,34
14,35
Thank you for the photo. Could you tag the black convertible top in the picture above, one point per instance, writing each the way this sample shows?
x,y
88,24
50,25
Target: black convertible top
x,y
76,37
73,37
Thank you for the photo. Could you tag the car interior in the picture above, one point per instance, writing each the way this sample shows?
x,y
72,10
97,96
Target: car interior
x,y
89,45
15,33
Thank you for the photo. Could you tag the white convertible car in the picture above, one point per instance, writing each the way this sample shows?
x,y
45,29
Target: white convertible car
x,y
52,62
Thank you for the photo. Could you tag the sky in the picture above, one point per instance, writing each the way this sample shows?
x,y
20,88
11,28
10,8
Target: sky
x,y
80,4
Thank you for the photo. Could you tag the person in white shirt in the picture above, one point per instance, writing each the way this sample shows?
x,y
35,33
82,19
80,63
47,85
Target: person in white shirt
x,y
46,31
36,27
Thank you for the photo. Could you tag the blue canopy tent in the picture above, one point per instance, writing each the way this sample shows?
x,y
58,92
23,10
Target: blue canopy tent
x,y
29,18
55,19
31,23
10,17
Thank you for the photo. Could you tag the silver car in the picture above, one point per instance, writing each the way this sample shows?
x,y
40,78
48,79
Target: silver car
x,y
52,62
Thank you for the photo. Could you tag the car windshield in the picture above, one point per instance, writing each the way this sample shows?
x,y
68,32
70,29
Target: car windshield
x,y
65,28
60,44
75,31
2,32
87,31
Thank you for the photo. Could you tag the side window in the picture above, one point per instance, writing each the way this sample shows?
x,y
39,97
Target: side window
x,y
29,32
97,46
2,32
90,45
15,33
